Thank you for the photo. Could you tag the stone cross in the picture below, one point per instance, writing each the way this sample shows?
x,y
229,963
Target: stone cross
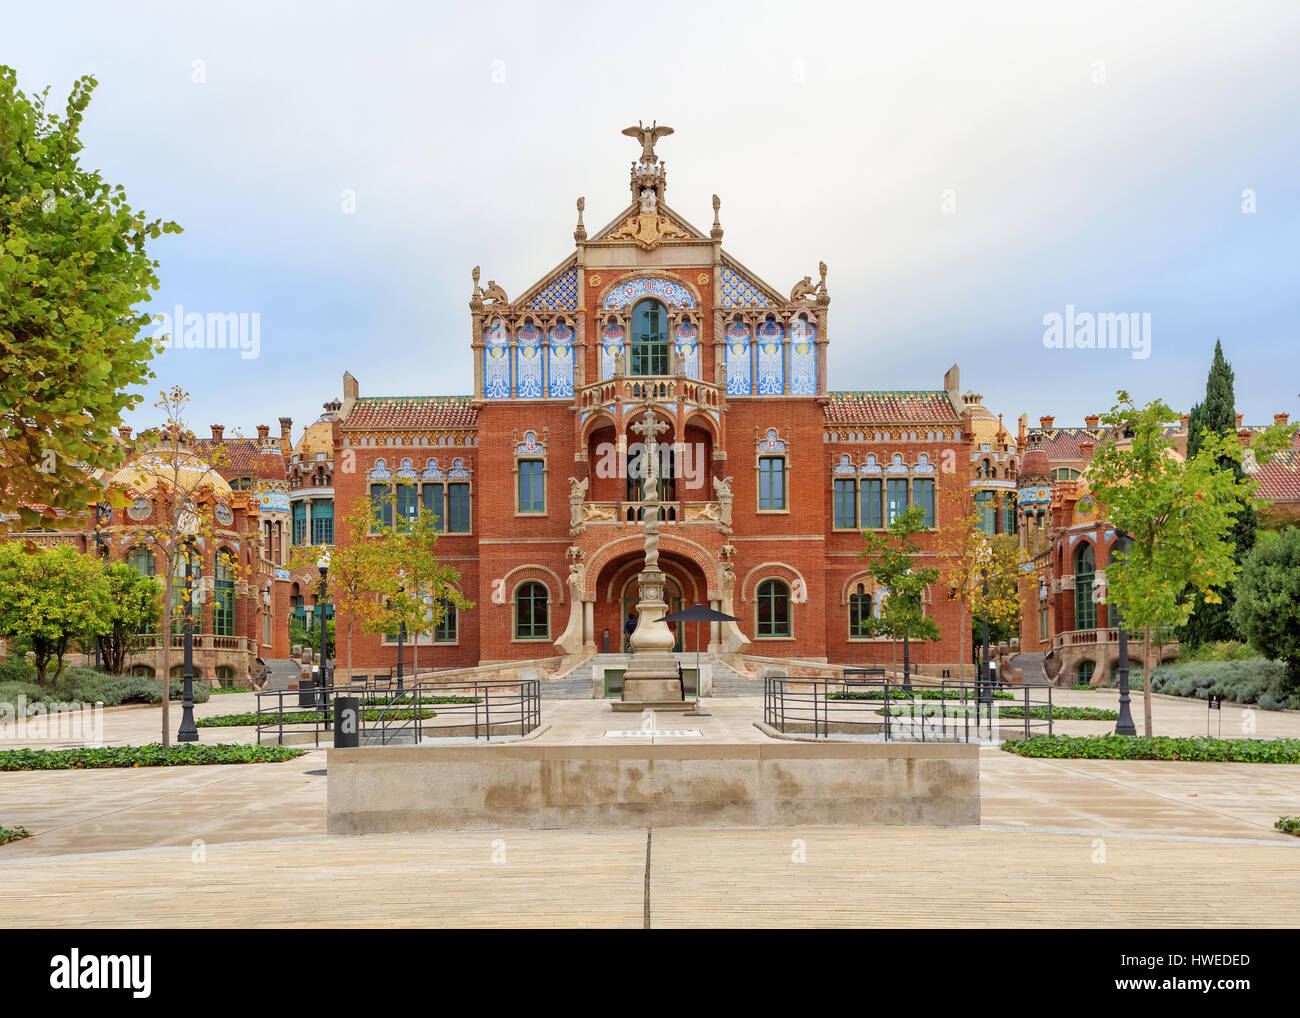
x,y
648,428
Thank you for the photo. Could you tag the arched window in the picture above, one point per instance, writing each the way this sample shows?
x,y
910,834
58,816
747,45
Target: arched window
x,y
445,630
1085,569
532,615
860,613
142,561
223,595
649,350
1083,676
773,609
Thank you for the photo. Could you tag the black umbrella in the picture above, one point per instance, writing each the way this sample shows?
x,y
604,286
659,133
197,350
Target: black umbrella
x,y
697,613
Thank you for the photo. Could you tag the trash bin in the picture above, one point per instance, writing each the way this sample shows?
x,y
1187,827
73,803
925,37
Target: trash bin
x,y
306,693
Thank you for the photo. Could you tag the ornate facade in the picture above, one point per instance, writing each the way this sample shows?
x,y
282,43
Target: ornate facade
x,y
767,477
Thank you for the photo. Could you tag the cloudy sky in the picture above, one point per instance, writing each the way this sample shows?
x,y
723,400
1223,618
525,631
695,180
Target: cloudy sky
x,y
965,170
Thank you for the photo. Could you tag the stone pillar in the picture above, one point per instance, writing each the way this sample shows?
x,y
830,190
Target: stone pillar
x,y
589,624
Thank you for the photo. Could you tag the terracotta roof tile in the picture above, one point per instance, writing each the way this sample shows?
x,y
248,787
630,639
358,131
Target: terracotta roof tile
x,y
891,407
243,456
1279,478
412,412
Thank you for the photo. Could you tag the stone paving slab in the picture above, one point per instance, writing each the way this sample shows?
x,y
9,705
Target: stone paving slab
x,y
954,877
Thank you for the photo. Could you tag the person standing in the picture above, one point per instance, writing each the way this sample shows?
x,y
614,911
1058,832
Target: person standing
x,y
629,627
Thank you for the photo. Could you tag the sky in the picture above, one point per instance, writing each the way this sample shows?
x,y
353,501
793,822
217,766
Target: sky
x,y
967,171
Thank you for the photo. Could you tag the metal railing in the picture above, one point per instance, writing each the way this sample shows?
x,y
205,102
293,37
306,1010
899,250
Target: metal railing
x,y
454,708
949,712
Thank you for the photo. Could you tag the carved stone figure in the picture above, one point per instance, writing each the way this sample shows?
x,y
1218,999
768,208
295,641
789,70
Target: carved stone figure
x,y
821,287
577,495
722,488
494,293
648,201
597,513
647,136
803,290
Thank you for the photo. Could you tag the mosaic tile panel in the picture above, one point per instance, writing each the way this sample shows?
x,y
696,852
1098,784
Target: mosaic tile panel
x,y
561,294
739,292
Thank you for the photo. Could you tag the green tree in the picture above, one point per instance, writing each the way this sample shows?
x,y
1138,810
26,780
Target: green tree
x,y
49,598
1179,516
896,567
1217,415
996,587
1267,608
414,587
73,271
135,602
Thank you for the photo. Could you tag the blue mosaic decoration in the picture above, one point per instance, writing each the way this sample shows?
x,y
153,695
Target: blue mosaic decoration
x,y
431,471
871,466
1039,495
739,292
845,465
923,465
675,295
559,366
803,358
528,361
458,469
560,294
739,381
611,349
771,359
686,337
496,360
529,446
380,472
406,472
771,442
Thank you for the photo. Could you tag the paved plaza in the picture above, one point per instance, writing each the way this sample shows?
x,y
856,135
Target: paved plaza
x,y
1061,843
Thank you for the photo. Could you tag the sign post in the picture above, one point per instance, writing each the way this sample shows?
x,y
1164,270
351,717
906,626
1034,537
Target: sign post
x,y
1214,703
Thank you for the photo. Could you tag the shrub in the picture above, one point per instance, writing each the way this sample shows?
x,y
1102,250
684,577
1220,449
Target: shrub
x,y
309,717
153,755
1288,825
16,668
1122,747
916,694
1245,681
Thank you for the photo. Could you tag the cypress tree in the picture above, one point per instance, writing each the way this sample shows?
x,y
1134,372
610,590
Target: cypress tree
x,y
1218,413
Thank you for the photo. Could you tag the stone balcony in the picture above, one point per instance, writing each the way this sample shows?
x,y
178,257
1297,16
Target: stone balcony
x,y
661,388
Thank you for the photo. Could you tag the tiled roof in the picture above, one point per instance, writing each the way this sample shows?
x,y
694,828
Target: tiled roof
x,y
1063,443
886,407
412,412
1279,478
243,456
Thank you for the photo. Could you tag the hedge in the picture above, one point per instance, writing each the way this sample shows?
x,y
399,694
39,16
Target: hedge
x,y
308,717
916,694
153,755
1039,713
1124,747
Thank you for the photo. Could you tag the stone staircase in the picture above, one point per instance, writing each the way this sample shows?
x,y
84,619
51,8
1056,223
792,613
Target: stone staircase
x,y
727,682
574,686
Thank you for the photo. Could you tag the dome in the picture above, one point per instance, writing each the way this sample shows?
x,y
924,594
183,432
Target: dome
x,y
1035,463
158,467
317,437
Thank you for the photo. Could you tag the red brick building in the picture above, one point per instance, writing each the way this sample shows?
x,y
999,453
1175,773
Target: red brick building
x,y
767,480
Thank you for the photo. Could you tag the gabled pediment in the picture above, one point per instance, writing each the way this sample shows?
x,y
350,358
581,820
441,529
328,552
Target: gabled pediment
x,y
616,231
744,289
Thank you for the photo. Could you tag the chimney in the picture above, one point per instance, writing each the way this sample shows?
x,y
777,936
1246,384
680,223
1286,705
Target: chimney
x,y
1244,436
1092,420
1277,419
217,431
263,430
1086,448
286,435
1183,419
1047,422
1239,419
124,432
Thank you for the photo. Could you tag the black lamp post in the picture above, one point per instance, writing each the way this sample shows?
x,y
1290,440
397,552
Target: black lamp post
x,y
103,513
986,685
1125,725
189,731
322,698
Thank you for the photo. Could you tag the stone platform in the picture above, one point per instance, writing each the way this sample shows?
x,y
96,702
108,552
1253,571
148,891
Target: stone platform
x,y
731,775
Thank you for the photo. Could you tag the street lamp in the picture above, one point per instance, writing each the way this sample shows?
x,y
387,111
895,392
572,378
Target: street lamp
x,y
1125,725
323,564
189,731
986,684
